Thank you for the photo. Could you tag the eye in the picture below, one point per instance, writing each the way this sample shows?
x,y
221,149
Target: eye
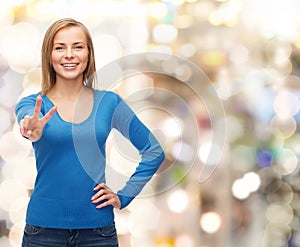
x,y
58,48
78,47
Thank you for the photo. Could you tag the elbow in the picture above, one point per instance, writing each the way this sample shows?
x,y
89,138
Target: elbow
x,y
155,157
162,156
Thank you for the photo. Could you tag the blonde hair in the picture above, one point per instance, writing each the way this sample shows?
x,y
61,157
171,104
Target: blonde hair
x,y
48,73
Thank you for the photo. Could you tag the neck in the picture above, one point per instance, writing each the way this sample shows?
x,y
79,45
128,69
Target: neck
x,y
65,89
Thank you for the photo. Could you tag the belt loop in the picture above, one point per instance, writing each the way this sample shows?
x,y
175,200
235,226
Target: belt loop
x,y
73,237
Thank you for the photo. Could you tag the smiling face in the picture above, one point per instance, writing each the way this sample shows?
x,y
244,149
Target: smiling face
x,y
69,56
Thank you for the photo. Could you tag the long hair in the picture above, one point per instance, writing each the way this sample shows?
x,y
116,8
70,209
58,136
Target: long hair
x,y
48,73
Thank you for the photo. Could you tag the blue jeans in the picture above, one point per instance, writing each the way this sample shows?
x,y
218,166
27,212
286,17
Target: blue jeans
x,y
49,237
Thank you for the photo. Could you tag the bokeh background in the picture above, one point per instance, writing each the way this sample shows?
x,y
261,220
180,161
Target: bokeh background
x,y
249,50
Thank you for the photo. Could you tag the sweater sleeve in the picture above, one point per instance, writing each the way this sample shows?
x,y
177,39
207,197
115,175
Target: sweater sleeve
x,y
26,107
151,152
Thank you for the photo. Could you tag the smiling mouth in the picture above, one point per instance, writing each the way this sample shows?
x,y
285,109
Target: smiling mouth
x,y
69,65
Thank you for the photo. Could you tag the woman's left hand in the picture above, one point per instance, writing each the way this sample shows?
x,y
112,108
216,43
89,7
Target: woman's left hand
x,y
106,196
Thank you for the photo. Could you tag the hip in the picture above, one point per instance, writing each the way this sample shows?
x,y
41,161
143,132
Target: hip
x,y
35,236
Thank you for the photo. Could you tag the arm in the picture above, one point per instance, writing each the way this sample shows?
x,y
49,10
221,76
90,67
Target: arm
x,y
152,155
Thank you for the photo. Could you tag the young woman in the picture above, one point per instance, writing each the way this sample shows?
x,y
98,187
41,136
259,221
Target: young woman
x,y
71,205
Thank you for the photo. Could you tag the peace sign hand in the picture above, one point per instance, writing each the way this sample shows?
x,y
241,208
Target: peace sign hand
x,y
32,127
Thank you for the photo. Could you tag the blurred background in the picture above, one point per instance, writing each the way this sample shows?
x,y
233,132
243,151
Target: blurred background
x,y
250,52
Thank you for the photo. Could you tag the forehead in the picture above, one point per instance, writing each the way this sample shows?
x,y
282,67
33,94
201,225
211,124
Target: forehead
x,y
70,35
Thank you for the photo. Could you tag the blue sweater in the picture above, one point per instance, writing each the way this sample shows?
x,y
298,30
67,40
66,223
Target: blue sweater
x,y
70,161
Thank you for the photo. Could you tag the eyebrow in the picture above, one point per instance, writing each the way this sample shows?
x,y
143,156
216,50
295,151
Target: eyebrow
x,y
75,43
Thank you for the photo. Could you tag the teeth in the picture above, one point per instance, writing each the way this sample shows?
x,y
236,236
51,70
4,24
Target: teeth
x,y
69,65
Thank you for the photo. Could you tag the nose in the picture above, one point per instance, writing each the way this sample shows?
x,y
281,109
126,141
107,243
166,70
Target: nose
x,y
69,53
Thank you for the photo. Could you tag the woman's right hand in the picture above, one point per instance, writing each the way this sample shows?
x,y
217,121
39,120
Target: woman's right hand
x,y
32,127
